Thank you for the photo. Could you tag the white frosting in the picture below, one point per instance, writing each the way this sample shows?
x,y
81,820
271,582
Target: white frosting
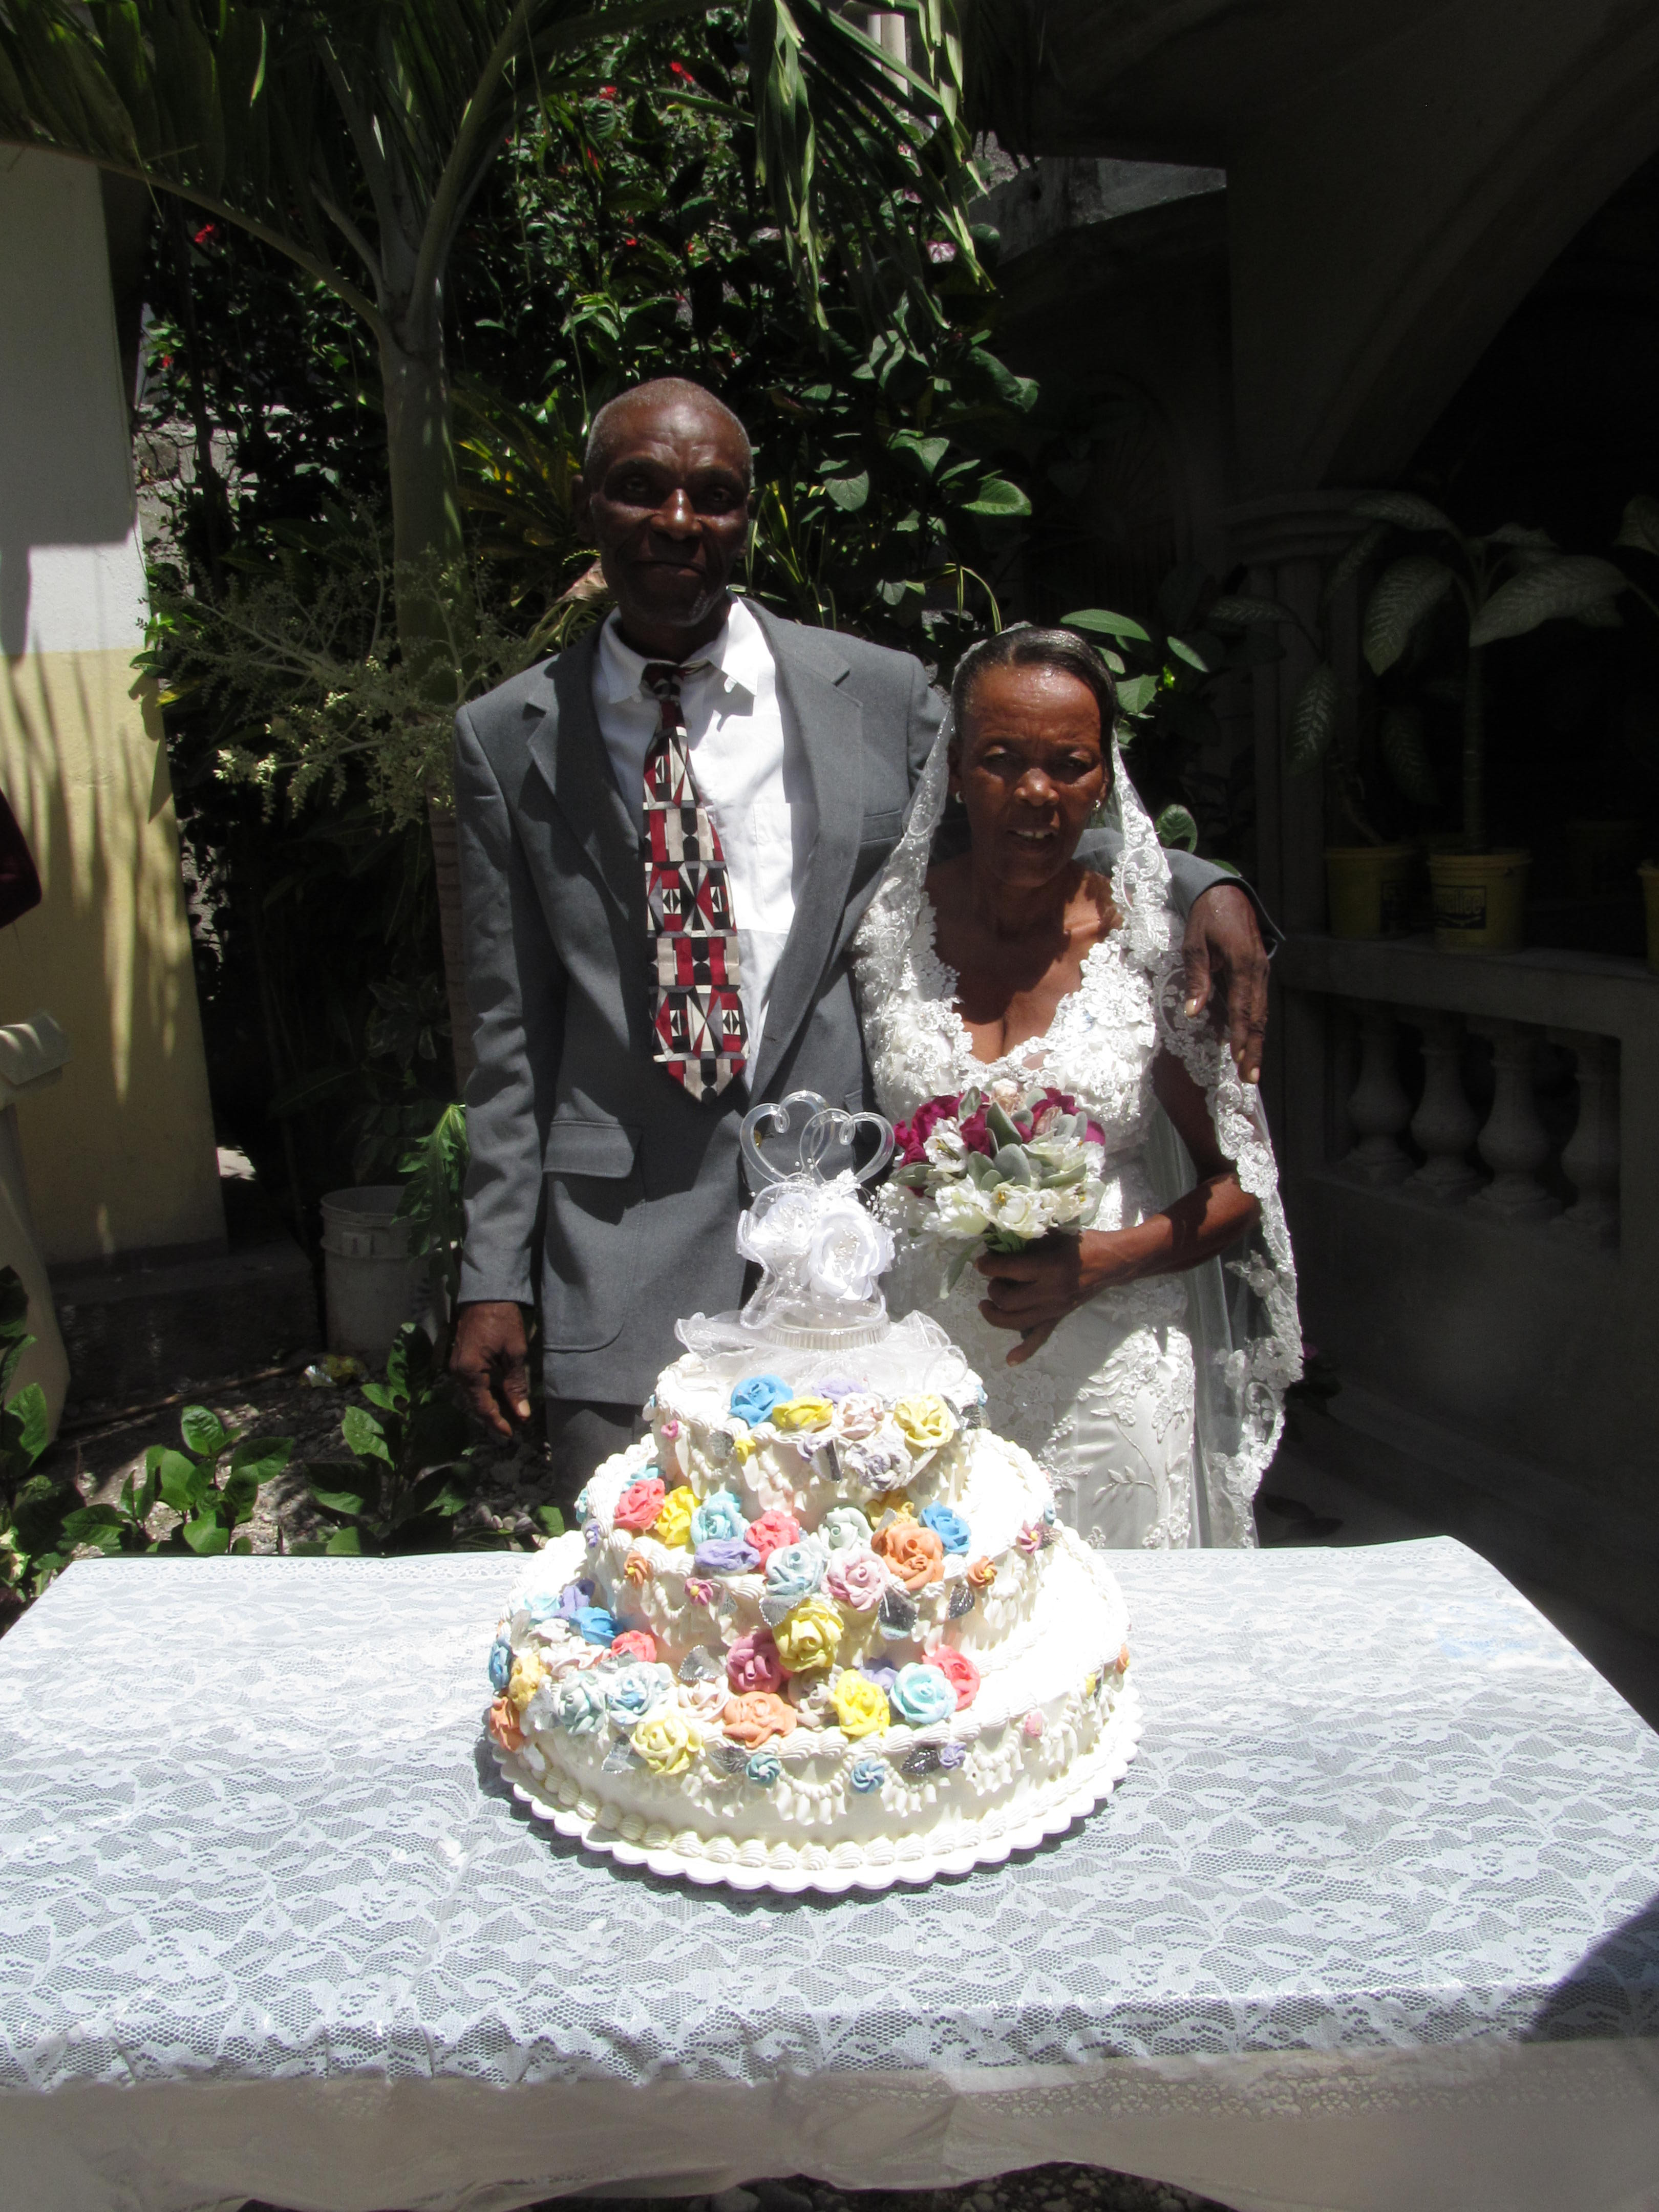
x,y
1045,1730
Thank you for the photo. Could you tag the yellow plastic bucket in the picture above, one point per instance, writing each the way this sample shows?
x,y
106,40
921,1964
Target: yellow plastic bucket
x,y
1368,887
1479,899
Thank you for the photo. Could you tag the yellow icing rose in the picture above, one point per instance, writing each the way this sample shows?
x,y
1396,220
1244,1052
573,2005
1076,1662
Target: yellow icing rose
x,y
667,1740
802,1413
672,1525
808,1636
861,1704
924,1422
745,1447
528,1674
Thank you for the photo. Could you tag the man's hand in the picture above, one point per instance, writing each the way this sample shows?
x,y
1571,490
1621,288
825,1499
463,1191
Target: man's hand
x,y
1034,1290
488,1361
1223,951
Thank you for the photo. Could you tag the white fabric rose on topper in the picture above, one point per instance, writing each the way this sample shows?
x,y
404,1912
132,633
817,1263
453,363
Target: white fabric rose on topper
x,y
849,1252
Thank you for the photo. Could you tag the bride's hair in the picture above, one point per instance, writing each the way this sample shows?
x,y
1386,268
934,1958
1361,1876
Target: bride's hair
x,y
1023,645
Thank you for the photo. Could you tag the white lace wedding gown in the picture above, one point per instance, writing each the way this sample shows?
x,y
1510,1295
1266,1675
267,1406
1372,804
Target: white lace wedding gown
x,y
1156,1407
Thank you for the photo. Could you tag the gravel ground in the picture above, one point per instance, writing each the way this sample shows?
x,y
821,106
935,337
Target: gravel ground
x,y
1037,2189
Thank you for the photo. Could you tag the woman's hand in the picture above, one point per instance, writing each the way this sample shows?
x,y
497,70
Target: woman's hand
x,y
1033,1290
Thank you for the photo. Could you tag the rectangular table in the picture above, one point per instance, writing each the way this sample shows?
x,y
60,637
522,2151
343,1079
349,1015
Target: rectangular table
x,y
1372,1923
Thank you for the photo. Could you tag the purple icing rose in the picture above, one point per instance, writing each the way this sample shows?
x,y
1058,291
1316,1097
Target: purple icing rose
x,y
880,1672
727,1555
573,1597
836,1387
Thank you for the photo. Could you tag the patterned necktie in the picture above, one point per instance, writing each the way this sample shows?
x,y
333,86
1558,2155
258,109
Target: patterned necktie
x,y
702,1039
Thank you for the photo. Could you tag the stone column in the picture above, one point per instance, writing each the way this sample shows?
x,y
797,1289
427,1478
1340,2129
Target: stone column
x,y
1590,1160
1514,1143
1444,1124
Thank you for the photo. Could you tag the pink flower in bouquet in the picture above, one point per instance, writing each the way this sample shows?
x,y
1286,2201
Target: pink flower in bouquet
x,y
752,1663
771,1533
958,1670
641,1502
910,1138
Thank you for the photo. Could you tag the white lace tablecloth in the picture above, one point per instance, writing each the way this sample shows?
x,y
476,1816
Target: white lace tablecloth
x,y
1373,1922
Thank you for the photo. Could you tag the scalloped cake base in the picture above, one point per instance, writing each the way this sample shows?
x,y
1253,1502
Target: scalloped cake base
x,y
1076,1793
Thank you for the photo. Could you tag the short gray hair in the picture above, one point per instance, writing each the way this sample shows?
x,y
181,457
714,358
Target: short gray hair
x,y
676,387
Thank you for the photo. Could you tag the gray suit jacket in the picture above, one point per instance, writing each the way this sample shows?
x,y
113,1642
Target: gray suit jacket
x,y
640,1182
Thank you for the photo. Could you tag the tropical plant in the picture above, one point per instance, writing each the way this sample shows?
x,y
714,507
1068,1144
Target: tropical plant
x,y
409,1479
212,1486
434,1174
1201,633
1484,588
32,1507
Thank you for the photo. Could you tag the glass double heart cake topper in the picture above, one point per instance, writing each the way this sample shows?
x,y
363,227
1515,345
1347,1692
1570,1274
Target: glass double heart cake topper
x,y
821,1251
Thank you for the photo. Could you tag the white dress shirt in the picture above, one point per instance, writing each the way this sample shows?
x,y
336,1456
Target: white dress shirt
x,y
751,777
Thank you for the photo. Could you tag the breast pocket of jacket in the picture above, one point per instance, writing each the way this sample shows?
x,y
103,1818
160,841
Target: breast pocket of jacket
x,y
595,1200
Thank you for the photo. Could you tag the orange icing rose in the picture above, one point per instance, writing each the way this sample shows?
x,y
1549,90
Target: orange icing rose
x,y
637,1567
1123,1661
983,1573
504,1725
757,1716
915,1555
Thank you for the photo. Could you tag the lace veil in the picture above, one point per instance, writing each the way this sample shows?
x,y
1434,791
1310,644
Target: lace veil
x,y
1243,1315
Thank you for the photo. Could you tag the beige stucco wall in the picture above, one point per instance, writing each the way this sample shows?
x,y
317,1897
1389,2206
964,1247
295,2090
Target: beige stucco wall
x,y
119,1154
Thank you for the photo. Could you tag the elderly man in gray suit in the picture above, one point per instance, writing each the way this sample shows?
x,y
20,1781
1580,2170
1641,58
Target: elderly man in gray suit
x,y
667,835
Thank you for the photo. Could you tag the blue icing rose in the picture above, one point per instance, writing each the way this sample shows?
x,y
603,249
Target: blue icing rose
x,y
594,1624
763,1768
727,1555
501,1664
922,1695
867,1774
578,1705
1050,1516
580,1505
543,1605
721,1514
844,1529
575,1595
753,1400
948,1525
795,1570
633,1692
882,1672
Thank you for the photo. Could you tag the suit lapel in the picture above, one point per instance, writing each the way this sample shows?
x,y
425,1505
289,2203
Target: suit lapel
x,y
829,725
567,747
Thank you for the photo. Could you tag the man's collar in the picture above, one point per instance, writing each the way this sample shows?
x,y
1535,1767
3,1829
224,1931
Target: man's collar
x,y
739,651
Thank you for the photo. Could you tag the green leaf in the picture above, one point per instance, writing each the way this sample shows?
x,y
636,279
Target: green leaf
x,y
550,1519
997,496
1137,695
1105,623
1406,594
93,1524
261,1457
364,1435
1176,826
849,493
1191,650
1405,510
1013,1163
203,1431
345,1543
184,1483
1640,527
31,1431
1400,740
1313,720
342,1487
1356,556
1237,610
1568,586
238,1495
377,1393
208,1538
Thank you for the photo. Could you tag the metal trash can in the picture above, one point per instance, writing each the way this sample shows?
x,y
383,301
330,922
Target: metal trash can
x,y
371,1285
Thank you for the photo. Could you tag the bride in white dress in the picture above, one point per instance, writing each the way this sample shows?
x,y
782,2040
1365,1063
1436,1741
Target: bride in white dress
x,y
1144,1362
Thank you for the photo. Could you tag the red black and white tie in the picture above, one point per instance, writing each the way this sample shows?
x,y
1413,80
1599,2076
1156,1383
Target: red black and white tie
x,y
702,1039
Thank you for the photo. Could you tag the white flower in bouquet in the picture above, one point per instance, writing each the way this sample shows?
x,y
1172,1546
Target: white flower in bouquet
x,y
1007,1093
945,1147
960,1209
848,1251
1019,1210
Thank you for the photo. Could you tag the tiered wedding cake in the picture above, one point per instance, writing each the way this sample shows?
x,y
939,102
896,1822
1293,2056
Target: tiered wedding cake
x,y
820,1629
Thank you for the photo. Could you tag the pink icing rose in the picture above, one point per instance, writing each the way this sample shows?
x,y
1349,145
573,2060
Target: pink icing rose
x,y
856,1578
752,1663
859,1415
958,1670
635,1644
771,1533
1032,1723
641,1502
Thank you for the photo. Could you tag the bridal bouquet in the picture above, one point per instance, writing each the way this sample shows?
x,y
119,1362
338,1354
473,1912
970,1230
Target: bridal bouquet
x,y
996,1169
